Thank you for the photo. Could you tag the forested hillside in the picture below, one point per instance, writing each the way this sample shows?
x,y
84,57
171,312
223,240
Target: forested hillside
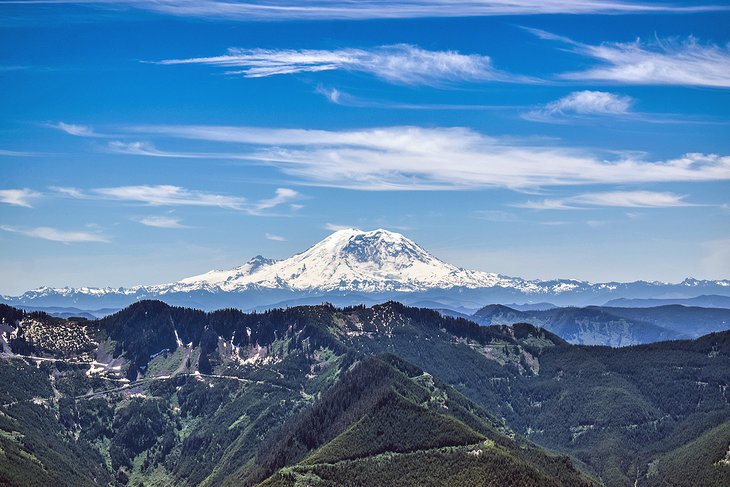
x,y
388,395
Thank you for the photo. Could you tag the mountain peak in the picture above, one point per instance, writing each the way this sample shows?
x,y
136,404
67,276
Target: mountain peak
x,y
346,231
349,259
350,233
355,261
258,262
380,247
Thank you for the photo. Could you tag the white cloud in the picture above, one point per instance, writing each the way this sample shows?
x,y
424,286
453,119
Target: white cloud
x,y
70,192
162,222
168,195
623,199
338,97
416,158
137,148
554,223
632,199
401,64
547,204
332,94
18,197
283,195
74,129
48,233
583,103
378,9
15,153
334,227
275,238
685,62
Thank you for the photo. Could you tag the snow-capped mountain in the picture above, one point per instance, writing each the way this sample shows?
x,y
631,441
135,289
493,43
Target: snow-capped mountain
x,y
352,260
352,266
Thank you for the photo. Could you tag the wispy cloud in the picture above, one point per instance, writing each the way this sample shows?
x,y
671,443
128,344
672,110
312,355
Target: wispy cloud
x,y
416,158
582,104
554,223
275,238
377,9
169,195
70,192
622,199
138,148
401,64
74,129
18,197
338,97
283,195
56,235
15,153
162,222
335,227
9,68
674,61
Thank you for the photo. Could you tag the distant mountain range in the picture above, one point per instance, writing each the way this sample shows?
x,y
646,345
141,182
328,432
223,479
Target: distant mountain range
x,y
357,267
613,326
704,301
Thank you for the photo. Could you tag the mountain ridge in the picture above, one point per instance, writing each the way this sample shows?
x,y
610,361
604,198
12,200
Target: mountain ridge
x,y
178,396
379,264
613,326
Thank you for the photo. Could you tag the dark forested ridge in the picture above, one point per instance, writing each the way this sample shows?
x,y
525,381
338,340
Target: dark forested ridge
x,y
382,395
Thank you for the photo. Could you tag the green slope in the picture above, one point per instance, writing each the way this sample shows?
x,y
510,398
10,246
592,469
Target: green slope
x,y
415,433
34,449
395,425
298,389
481,464
704,461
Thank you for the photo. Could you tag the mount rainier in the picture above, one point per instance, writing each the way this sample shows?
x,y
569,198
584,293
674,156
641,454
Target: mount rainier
x,y
357,267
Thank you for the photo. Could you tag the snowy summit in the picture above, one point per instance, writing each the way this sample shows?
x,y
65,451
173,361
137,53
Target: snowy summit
x,y
348,260
355,263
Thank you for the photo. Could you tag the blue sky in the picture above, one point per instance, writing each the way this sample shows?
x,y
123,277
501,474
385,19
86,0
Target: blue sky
x,y
142,142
